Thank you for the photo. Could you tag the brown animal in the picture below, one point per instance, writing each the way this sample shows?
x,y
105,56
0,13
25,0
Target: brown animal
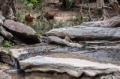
x,y
49,15
29,18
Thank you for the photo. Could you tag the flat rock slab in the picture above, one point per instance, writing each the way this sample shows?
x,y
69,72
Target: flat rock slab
x,y
91,30
112,22
27,51
4,75
94,53
86,33
74,67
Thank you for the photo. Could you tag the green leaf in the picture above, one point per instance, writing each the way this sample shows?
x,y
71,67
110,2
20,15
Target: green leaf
x,y
25,2
30,5
70,1
35,1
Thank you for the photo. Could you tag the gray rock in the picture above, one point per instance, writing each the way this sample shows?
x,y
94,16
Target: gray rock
x,y
4,75
1,40
5,33
86,33
22,31
74,67
57,40
1,22
2,18
112,22
105,30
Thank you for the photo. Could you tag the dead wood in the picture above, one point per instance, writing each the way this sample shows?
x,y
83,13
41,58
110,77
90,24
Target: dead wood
x,y
115,5
8,9
112,22
100,6
81,13
89,14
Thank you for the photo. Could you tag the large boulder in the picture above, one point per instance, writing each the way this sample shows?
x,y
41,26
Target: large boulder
x,y
74,67
23,32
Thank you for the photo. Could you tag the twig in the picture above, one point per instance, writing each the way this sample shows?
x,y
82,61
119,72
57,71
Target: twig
x,y
81,10
90,18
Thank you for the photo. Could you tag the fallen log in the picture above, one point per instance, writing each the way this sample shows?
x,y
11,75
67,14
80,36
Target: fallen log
x,y
112,22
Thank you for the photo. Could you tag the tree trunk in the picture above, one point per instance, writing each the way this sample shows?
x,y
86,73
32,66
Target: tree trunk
x,y
8,9
101,6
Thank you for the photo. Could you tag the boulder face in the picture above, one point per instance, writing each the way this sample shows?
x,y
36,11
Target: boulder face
x,y
22,31
2,18
5,34
1,40
74,67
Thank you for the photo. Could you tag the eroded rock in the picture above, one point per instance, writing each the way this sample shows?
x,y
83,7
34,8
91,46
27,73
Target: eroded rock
x,y
2,18
1,40
91,30
74,67
57,40
22,31
87,33
5,33
112,22
4,75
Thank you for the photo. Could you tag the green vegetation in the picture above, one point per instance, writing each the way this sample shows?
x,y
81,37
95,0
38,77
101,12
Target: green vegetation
x,y
29,3
44,25
9,53
39,78
40,24
77,21
8,44
70,2
20,15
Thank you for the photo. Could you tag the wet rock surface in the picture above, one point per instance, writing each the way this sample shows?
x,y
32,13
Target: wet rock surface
x,y
101,55
56,51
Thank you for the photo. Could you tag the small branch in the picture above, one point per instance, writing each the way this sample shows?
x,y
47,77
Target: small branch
x,y
101,6
81,10
90,18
